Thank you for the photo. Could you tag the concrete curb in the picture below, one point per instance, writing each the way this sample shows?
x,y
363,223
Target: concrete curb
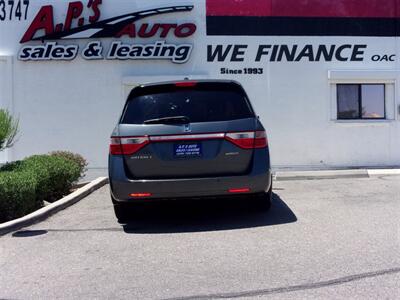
x,y
383,172
53,208
333,174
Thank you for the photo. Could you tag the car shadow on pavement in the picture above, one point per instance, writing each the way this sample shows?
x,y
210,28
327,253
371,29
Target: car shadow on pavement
x,y
207,215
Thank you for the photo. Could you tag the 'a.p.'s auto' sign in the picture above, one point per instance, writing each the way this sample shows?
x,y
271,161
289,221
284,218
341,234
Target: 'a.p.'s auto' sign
x,y
93,28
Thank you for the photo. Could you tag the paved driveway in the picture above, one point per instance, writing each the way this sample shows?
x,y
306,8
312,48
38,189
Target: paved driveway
x,y
322,239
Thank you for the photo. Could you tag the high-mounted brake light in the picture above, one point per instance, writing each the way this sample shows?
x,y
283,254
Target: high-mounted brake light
x,y
248,140
127,145
186,83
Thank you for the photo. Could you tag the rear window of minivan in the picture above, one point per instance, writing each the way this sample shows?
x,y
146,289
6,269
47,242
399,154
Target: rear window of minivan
x,y
204,102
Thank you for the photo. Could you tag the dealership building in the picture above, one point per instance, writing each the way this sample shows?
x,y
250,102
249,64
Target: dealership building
x,y
322,75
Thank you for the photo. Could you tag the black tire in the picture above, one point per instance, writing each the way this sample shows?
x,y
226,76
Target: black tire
x,y
264,200
123,212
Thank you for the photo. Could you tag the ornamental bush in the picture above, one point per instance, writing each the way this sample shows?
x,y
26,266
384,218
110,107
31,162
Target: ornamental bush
x,y
17,194
77,158
55,175
24,185
8,129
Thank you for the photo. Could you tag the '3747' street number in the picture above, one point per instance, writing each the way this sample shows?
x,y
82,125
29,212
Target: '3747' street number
x,y
13,9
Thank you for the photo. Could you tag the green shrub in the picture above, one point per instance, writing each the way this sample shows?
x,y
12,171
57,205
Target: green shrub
x,y
13,166
24,185
55,175
77,158
17,194
8,129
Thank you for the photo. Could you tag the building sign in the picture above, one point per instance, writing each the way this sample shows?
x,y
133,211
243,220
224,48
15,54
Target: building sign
x,y
94,29
293,31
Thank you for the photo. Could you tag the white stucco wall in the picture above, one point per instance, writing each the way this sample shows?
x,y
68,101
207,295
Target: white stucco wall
x,y
73,105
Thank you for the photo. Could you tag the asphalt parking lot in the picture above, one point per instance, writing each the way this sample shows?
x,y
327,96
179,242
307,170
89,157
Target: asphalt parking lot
x,y
323,239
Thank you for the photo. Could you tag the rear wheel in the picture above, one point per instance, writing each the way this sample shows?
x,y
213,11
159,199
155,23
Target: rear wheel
x,y
123,212
264,200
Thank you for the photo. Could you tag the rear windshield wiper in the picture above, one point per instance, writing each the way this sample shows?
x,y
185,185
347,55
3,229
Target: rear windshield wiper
x,y
169,120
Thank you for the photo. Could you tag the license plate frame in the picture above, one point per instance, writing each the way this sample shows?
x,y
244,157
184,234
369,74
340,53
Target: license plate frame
x,y
188,150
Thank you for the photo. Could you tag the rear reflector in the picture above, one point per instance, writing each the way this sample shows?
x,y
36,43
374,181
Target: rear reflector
x,y
241,190
127,145
186,83
140,195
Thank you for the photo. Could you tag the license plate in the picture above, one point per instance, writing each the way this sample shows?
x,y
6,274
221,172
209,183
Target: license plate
x,y
187,150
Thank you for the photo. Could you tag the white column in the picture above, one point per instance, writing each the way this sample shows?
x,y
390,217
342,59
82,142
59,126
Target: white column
x,y
6,95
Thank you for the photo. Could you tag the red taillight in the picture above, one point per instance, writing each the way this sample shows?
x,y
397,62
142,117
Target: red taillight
x,y
186,83
127,145
140,195
244,140
115,146
260,140
248,140
240,190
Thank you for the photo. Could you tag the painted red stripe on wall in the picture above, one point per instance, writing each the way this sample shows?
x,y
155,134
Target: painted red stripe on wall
x,y
305,8
238,8
301,26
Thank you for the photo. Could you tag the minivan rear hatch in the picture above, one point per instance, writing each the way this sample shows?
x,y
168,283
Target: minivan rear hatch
x,y
187,129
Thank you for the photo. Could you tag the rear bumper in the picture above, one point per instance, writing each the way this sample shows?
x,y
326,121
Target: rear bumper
x,y
258,180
